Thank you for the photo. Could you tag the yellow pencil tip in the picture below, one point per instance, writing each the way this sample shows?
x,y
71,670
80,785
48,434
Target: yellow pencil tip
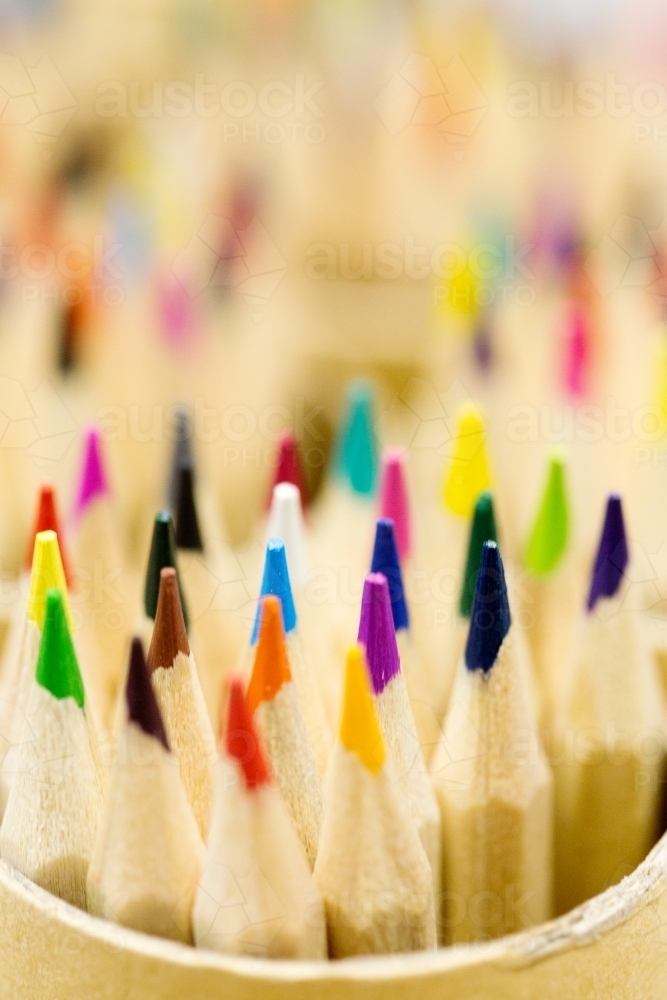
x,y
469,473
359,727
46,572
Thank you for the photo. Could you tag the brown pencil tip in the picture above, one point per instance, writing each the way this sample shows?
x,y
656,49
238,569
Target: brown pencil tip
x,y
169,636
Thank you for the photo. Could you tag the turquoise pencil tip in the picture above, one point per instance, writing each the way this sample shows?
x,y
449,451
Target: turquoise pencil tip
x,y
357,453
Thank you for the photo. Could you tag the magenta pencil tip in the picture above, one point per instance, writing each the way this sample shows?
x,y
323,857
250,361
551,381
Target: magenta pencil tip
x,y
93,482
394,502
376,632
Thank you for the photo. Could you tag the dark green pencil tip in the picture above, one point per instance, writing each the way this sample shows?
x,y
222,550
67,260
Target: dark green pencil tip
x,y
163,553
57,667
482,529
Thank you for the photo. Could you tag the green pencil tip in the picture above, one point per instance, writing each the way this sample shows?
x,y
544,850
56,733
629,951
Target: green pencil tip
x,y
163,553
548,539
57,668
482,529
357,459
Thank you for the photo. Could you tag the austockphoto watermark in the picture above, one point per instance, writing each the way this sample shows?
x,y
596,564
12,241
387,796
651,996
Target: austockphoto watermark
x,y
587,423
492,266
274,111
235,424
587,98
57,274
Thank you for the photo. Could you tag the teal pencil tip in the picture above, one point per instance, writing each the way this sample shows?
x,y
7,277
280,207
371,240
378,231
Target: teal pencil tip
x,y
357,457
57,667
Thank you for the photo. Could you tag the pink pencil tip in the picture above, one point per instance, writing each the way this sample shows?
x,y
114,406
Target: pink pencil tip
x,y
177,314
394,498
577,353
93,481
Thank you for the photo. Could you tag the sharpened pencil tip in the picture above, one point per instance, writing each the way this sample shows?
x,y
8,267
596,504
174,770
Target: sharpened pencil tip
x,y
47,520
169,635
376,632
163,553
490,619
276,581
93,482
357,458
57,667
271,666
188,535
47,572
469,473
182,455
359,727
612,555
289,468
142,706
394,502
385,560
549,536
286,522
242,741
483,529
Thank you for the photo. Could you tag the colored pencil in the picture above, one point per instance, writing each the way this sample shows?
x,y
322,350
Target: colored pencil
x,y
493,781
371,867
213,579
273,695
179,695
162,553
482,529
392,704
417,676
52,813
46,519
552,592
276,581
256,894
289,469
16,680
102,589
148,853
609,748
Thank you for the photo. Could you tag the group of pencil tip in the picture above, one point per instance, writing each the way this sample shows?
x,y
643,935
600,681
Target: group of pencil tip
x,y
367,783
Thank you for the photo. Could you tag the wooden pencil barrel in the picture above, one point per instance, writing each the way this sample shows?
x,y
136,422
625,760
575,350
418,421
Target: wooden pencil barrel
x,y
614,946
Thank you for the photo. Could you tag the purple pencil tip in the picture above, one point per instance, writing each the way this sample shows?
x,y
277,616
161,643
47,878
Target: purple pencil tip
x,y
612,556
376,632
93,481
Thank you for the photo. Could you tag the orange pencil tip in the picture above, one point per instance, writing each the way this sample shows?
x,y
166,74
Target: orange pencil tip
x,y
271,667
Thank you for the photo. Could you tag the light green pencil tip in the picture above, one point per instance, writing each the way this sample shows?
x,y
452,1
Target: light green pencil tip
x,y
57,667
357,459
548,539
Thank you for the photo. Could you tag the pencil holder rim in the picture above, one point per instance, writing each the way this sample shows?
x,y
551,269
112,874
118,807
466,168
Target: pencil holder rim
x,y
581,926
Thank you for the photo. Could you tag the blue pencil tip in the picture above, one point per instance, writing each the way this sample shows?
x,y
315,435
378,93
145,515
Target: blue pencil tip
x,y
490,619
385,560
276,581
612,556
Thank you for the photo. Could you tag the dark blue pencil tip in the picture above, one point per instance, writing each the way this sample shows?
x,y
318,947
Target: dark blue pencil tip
x,y
612,557
490,619
385,560
276,581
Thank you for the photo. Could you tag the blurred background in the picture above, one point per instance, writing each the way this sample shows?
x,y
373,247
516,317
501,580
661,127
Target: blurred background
x,y
241,206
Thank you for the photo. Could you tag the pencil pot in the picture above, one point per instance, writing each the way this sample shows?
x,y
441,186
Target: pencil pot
x,y
612,947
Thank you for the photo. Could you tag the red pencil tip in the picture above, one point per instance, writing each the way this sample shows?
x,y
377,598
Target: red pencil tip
x,y
242,741
47,520
289,468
